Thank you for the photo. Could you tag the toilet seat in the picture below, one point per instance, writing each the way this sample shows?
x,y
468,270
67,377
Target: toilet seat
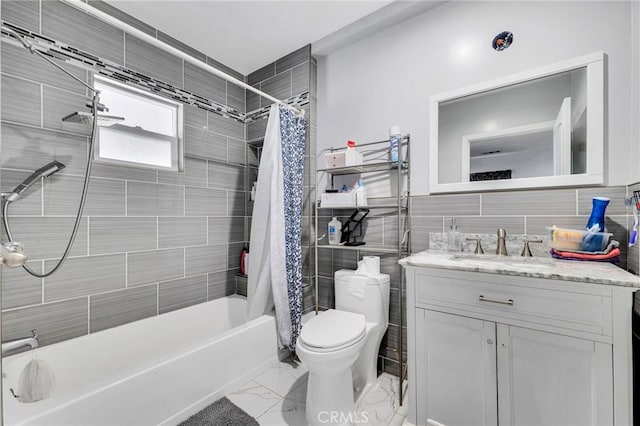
x,y
332,330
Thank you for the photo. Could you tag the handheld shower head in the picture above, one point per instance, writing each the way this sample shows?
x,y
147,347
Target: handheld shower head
x,y
44,171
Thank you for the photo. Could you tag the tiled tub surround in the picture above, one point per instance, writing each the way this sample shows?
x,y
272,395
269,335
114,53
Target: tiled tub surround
x,y
150,241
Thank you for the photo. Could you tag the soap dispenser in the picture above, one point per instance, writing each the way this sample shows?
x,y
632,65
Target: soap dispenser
x,y
454,240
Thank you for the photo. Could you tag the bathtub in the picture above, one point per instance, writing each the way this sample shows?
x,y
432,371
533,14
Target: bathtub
x,y
157,371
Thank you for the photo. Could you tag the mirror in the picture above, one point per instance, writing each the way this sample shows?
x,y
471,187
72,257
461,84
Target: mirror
x,y
541,128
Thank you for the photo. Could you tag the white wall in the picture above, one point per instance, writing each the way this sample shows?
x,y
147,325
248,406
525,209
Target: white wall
x,y
388,78
634,152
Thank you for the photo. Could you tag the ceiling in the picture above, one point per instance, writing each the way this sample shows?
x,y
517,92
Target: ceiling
x,y
246,35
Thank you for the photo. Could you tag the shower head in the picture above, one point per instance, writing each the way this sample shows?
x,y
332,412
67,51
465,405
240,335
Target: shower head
x,y
44,171
87,118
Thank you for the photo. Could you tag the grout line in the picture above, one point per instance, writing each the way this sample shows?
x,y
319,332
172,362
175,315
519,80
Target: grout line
x,y
126,270
89,314
41,105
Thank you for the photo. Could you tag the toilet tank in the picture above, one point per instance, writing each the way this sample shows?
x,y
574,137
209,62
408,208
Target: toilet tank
x,y
373,302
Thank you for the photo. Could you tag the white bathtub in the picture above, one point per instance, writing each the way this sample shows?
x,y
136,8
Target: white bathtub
x,y
157,371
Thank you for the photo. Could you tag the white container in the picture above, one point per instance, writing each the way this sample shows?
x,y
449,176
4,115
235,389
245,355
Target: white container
x,y
335,231
338,199
347,158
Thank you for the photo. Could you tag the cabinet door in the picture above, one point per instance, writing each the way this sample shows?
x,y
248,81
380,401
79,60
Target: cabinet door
x,y
551,379
456,371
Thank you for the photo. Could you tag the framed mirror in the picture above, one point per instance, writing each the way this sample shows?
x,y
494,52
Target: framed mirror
x,y
536,129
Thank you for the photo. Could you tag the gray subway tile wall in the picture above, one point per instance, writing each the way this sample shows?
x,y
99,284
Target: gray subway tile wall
x,y
153,61
20,100
121,307
69,25
143,246
155,265
107,273
181,293
24,13
20,289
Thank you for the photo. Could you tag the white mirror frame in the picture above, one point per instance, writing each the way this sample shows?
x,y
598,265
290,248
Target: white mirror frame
x,y
594,63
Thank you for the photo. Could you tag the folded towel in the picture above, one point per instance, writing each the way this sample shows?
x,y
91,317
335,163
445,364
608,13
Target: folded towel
x,y
613,256
610,246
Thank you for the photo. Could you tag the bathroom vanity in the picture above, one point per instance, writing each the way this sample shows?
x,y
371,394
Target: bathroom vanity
x,y
518,341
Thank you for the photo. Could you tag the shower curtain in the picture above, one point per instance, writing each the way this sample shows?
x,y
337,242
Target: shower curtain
x,y
275,268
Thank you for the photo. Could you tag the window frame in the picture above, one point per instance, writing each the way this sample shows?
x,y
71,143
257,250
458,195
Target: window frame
x,y
177,142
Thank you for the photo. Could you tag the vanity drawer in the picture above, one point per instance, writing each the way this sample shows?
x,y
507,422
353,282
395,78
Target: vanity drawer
x,y
517,300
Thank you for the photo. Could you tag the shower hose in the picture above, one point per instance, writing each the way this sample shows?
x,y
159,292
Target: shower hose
x,y
76,225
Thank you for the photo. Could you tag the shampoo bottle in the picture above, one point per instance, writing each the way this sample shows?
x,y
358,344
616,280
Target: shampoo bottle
x,y
335,231
394,143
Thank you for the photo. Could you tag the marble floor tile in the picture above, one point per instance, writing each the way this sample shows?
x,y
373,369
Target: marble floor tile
x,y
289,411
277,398
284,377
397,420
381,402
254,398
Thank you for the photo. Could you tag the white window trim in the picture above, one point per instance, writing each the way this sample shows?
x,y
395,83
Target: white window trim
x,y
177,149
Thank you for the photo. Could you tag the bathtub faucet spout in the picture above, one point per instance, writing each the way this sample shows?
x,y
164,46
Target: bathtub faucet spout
x,y
21,343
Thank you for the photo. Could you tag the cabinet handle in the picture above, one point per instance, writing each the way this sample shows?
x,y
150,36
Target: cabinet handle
x,y
502,302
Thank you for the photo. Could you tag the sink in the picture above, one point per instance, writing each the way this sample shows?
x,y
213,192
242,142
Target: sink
x,y
528,263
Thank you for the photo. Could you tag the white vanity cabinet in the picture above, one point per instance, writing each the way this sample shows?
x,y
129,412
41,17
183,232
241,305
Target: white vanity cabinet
x,y
490,348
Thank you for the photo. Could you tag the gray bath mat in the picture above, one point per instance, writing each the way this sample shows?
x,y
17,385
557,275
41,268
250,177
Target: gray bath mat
x,y
221,413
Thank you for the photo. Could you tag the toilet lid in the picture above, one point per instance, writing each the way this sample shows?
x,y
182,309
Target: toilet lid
x,y
333,328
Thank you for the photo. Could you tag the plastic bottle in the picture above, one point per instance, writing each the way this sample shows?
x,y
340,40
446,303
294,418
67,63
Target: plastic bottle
x,y
454,241
361,193
335,231
394,143
244,261
253,191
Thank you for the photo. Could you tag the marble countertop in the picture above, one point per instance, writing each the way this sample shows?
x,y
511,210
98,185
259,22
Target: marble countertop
x,y
534,267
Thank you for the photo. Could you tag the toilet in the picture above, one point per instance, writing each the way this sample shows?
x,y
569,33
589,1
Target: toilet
x,y
340,346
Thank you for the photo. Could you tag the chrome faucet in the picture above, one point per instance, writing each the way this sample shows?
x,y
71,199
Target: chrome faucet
x,y
21,343
501,248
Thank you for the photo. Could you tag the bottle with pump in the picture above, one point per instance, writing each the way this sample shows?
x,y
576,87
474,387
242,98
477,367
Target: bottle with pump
x,y
394,143
335,231
454,240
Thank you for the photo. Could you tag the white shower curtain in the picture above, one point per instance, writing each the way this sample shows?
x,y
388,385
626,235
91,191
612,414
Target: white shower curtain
x,y
274,275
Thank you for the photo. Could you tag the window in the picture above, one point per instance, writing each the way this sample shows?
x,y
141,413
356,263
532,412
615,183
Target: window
x,y
150,134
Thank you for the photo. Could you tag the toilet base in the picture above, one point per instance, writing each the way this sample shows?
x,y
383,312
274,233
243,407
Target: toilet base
x,y
330,399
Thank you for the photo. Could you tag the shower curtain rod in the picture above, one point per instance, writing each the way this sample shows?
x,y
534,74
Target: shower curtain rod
x,y
78,4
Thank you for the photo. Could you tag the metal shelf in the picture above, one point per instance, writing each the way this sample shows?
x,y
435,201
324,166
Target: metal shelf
x,y
375,206
363,168
365,247
401,170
